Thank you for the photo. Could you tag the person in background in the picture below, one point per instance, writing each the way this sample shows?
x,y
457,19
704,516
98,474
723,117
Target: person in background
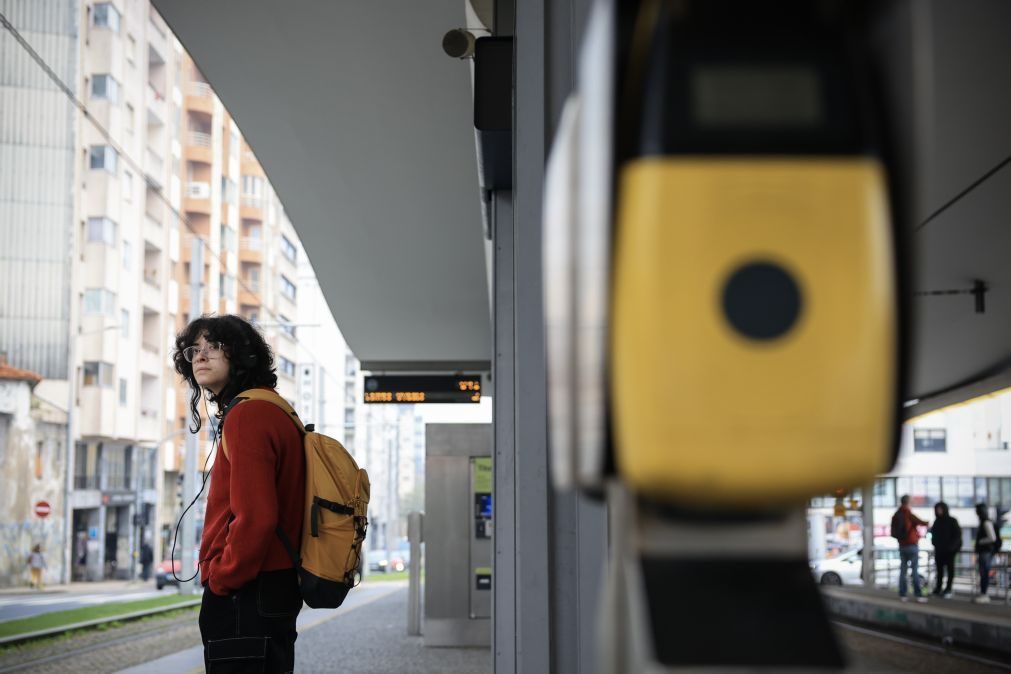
x,y
946,535
146,559
986,541
36,565
904,524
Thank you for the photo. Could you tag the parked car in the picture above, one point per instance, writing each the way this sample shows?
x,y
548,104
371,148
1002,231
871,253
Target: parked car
x,y
163,576
378,561
845,568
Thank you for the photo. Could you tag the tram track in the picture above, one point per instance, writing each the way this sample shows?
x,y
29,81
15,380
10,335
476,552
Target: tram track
x,y
920,645
104,649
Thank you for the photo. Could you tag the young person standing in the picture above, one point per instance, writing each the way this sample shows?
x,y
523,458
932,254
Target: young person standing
x,y
986,541
909,548
251,596
946,535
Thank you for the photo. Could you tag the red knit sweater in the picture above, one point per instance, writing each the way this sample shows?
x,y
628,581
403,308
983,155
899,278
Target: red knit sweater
x,y
259,484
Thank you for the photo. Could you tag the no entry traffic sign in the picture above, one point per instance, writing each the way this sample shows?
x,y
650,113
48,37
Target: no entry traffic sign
x,y
42,509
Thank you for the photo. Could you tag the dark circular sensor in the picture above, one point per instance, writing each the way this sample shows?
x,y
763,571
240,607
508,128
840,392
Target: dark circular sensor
x,y
761,300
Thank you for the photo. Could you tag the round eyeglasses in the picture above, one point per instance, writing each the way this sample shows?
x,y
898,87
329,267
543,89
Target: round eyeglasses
x,y
211,349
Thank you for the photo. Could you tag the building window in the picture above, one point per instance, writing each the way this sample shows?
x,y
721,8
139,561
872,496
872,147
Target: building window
x,y
958,492
288,248
124,323
930,440
105,15
127,186
105,86
253,316
286,326
102,230
228,190
884,493
99,302
98,374
39,459
122,393
252,186
102,157
287,288
127,252
128,118
287,367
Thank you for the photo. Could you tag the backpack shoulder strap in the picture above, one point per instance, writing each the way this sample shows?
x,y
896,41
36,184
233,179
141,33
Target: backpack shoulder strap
x,y
261,394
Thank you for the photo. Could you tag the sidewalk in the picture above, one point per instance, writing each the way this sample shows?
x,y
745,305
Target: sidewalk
x,y
373,640
98,587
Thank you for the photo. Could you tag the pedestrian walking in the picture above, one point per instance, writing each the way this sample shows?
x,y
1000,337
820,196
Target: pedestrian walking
x,y
251,597
986,545
904,524
946,536
36,563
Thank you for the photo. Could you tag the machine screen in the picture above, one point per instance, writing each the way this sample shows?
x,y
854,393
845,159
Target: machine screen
x,y
756,96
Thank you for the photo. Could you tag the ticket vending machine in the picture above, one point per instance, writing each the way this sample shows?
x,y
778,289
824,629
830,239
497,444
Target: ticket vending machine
x,y
459,521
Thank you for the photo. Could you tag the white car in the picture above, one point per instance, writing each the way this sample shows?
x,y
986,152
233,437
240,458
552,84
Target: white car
x,y
845,568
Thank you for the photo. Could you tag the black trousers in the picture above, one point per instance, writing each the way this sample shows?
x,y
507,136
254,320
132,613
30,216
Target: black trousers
x,y
944,560
253,629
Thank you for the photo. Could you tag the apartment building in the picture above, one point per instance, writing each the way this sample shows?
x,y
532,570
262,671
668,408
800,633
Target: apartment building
x,y
125,244
249,253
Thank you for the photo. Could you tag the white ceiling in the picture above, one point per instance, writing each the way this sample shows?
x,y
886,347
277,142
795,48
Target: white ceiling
x,y
365,129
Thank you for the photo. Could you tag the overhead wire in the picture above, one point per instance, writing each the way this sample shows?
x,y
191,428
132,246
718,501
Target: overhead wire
x,y
137,167
961,195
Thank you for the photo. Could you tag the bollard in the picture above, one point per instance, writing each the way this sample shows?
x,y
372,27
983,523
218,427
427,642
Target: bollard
x,y
415,536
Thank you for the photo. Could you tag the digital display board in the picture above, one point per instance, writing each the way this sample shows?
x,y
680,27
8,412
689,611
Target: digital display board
x,y
461,388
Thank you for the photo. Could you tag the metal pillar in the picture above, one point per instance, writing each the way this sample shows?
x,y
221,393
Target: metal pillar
x,y
415,535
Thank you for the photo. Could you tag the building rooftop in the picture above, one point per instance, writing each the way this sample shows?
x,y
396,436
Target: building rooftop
x,y
8,371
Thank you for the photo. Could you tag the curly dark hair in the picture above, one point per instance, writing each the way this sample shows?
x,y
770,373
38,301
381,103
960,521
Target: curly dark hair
x,y
250,359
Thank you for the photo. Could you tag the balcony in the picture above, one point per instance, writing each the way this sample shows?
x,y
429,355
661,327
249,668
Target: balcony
x,y
200,97
199,146
251,208
154,169
251,249
147,429
150,363
85,482
151,293
154,232
249,294
197,197
198,190
157,109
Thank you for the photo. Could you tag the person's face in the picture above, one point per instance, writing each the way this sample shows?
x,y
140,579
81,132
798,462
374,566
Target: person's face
x,y
210,365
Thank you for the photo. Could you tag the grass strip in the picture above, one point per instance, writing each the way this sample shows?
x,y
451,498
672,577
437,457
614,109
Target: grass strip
x,y
380,577
78,615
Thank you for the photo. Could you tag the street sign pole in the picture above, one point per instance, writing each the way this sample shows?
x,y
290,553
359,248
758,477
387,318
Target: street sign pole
x,y
192,440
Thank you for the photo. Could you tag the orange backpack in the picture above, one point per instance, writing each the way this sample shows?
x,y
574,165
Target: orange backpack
x,y
336,508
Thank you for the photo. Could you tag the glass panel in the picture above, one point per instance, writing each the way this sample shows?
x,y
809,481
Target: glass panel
x,y
884,493
980,490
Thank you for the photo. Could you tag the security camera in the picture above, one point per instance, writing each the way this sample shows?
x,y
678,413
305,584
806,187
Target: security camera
x,y
458,43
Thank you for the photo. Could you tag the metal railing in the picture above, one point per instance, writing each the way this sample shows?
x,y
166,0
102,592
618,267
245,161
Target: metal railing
x,y
200,138
887,567
198,190
196,88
